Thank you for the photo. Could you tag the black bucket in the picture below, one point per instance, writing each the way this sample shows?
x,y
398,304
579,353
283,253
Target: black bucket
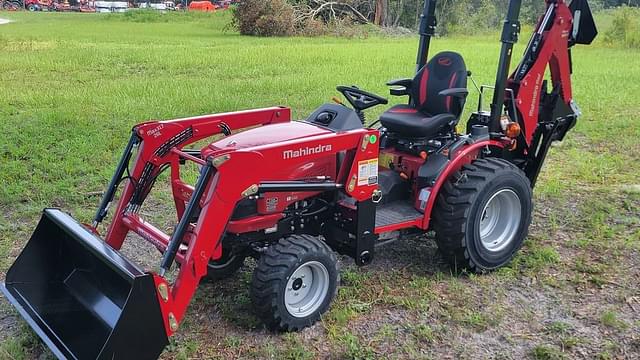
x,y
84,299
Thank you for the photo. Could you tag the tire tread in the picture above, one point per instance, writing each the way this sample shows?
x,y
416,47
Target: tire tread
x,y
272,270
453,207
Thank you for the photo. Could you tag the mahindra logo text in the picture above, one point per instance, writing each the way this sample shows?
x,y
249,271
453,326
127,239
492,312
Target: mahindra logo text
x,y
534,101
290,154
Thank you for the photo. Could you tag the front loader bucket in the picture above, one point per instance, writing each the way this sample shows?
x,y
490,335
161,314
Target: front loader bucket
x,y
84,299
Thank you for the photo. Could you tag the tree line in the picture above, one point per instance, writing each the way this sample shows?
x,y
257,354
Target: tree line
x,y
318,17
453,15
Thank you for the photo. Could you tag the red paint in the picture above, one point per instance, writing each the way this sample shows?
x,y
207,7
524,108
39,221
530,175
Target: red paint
x,y
407,111
148,232
462,157
289,131
188,157
255,155
403,162
202,6
554,54
253,223
444,61
260,154
155,133
423,86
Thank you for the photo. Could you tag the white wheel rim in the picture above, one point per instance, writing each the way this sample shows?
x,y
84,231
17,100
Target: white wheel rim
x,y
306,289
500,220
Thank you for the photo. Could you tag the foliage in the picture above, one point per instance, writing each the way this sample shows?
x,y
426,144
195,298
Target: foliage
x,y
264,18
143,16
455,16
317,17
625,28
547,352
282,18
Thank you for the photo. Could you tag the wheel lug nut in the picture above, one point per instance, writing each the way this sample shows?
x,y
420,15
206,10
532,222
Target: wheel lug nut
x,y
295,293
304,285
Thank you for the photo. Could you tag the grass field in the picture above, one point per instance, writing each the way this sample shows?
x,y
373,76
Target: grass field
x,y
72,85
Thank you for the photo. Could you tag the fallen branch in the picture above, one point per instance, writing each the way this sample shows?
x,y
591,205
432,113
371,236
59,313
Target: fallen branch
x,y
330,9
357,13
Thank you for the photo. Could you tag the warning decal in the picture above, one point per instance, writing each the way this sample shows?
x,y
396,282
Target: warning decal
x,y
367,172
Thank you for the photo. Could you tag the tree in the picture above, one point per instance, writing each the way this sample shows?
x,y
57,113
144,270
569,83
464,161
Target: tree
x,y
382,7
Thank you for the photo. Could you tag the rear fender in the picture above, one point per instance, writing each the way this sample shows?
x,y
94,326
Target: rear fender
x,y
457,160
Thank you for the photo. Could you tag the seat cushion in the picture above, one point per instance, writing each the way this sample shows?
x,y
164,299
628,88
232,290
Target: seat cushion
x,y
407,121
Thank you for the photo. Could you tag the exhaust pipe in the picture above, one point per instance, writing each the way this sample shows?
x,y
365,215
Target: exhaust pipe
x,y
84,299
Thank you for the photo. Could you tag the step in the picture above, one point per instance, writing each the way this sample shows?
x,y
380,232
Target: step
x,y
396,212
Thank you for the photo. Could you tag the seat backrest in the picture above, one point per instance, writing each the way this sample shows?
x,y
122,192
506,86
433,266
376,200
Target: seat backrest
x,y
445,70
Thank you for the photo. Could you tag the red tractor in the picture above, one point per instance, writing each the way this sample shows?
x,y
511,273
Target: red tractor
x,y
290,193
39,5
29,5
11,5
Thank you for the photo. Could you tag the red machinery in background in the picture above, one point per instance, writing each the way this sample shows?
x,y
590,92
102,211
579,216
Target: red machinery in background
x,y
201,6
48,5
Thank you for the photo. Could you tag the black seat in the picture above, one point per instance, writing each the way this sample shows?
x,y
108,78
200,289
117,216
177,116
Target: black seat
x,y
436,98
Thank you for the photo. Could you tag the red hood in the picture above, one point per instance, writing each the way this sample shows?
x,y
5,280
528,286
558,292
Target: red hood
x,y
268,134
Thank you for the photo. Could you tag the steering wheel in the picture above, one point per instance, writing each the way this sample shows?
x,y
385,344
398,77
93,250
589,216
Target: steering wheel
x,y
360,99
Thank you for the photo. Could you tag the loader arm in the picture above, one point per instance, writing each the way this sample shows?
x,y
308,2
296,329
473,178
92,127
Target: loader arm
x,y
157,143
226,189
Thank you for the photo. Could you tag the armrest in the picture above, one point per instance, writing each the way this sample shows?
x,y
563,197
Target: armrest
x,y
403,84
400,82
455,92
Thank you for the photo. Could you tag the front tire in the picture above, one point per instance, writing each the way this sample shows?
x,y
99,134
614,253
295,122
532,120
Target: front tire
x,y
294,283
482,215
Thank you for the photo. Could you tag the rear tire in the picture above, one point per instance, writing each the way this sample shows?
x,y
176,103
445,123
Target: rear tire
x,y
482,215
294,283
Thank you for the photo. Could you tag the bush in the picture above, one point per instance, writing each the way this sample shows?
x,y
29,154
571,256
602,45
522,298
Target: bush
x,y
142,16
312,27
625,28
280,18
264,18
468,17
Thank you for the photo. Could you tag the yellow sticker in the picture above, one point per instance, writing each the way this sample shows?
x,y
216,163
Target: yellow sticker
x,y
367,172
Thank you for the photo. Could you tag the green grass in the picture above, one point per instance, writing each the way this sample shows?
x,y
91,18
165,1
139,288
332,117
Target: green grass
x,y
611,319
547,352
73,85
